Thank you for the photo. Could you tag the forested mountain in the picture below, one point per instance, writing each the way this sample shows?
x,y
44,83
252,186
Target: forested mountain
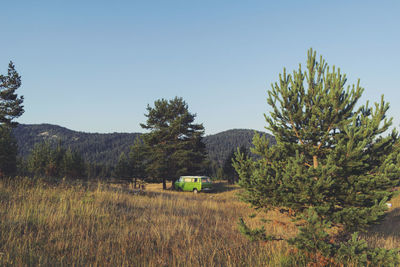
x,y
220,145
106,148
94,147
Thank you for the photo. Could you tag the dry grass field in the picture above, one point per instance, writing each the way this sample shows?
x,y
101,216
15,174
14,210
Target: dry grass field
x,y
110,225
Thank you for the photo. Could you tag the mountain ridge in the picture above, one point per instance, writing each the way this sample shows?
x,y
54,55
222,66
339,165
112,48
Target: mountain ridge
x,y
105,148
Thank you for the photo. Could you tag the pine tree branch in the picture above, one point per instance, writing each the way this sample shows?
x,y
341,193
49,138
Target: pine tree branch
x,y
295,130
323,140
315,161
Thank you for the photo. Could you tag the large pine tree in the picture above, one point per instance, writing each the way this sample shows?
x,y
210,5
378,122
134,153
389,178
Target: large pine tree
x,y
174,142
10,108
10,104
332,164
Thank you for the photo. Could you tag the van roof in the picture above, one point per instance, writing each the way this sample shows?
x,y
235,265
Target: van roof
x,y
193,176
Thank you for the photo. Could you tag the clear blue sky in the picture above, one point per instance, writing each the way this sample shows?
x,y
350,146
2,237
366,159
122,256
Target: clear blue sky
x,y
94,65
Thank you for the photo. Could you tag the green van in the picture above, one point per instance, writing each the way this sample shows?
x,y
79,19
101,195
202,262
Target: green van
x,y
193,183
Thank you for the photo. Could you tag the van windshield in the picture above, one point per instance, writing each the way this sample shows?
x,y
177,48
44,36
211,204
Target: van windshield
x,y
205,180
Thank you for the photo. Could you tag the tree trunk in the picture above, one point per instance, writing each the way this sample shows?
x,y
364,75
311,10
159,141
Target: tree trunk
x,y
164,184
315,161
173,182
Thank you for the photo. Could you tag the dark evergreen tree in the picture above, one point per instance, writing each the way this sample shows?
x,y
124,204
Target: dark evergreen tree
x,y
10,104
229,171
332,165
93,170
219,173
138,159
46,161
8,152
74,165
57,168
105,171
123,168
174,141
10,108
22,167
39,159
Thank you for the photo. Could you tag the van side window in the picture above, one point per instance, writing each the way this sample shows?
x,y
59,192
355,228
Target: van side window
x,y
195,180
188,180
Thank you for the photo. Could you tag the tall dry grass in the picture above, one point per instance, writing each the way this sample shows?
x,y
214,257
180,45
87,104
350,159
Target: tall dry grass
x,y
110,225
66,224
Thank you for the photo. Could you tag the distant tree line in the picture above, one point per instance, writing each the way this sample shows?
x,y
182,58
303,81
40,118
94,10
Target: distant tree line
x,y
45,161
94,147
101,152
49,161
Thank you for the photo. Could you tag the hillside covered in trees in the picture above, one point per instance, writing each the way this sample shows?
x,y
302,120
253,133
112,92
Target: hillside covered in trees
x,y
106,148
220,145
94,147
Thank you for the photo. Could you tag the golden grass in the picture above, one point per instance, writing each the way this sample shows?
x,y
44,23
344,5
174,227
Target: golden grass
x,y
386,234
111,225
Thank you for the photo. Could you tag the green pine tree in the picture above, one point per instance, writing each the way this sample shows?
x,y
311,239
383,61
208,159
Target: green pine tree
x,y
10,104
46,161
10,109
8,152
74,165
174,141
56,160
123,168
229,171
138,159
39,159
332,164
